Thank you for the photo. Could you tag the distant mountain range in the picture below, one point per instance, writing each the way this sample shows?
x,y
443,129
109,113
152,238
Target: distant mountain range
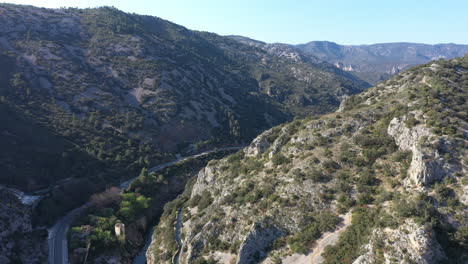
x,y
378,62
371,63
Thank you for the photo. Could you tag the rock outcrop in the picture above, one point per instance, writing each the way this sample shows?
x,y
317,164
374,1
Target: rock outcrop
x,y
260,144
15,227
409,243
260,236
206,178
426,164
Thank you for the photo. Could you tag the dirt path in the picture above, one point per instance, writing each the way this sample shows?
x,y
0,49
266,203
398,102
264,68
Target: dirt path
x,y
329,238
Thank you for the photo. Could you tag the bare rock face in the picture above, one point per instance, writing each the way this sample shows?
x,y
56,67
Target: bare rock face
x,y
278,143
205,178
259,237
19,242
426,164
268,140
426,167
407,138
409,243
259,145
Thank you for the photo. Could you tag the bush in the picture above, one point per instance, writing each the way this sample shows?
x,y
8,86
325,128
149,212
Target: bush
x,y
280,159
318,176
420,209
303,240
102,240
375,145
330,165
236,157
402,155
387,220
348,247
132,206
205,200
411,121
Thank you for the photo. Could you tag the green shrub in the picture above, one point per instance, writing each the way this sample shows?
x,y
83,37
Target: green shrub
x,y
348,247
419,208
202,201
317,175
330,165
375,144
303,240
280,159
402,155
411,121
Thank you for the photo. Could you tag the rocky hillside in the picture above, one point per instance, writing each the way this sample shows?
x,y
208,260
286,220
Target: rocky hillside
x,y
393,159
378,62
16,223
122,88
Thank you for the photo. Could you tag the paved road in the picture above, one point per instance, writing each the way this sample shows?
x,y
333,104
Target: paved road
x,y
58,251
57,240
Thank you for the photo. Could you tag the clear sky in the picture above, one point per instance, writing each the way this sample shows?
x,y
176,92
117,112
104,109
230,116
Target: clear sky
x,y
300,21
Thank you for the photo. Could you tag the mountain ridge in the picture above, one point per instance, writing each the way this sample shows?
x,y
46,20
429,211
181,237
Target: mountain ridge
x,y
153,81
377,62
109,93
372,62
392,156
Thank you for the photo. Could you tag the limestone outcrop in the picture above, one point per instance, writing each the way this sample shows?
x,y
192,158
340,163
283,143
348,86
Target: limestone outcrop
x,y
409,243
260,236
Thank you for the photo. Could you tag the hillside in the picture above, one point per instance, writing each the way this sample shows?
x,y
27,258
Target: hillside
x,y
124,90
393,159
378,62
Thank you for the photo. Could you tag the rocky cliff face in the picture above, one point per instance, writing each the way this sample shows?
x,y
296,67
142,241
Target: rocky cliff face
x,y
393,156
260,236
427,163
409,242
16,224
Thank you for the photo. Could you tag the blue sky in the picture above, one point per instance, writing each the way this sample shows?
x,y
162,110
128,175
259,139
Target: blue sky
x,y
300,21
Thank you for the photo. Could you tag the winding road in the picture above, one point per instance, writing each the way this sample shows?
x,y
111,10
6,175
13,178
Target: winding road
x,y
57,239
